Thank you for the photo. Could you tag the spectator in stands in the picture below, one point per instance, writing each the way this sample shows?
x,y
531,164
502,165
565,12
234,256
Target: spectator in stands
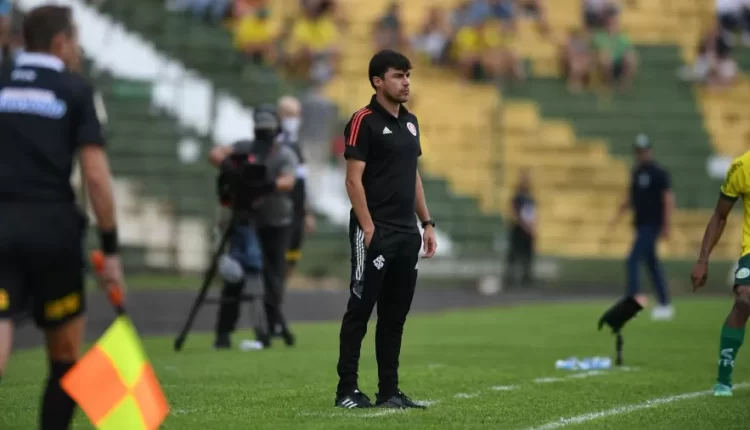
x,y
7,46
340,15
313,45
521,248
212,10
5,12
241,8
432,40
461,16
254,36
483,51
388,31
715,65
336,10
503,11
282,41
616,55
538,10
576,60
596,12
734,17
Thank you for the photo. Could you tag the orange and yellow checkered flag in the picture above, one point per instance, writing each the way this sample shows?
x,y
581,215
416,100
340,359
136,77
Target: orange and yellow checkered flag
x,y
114,383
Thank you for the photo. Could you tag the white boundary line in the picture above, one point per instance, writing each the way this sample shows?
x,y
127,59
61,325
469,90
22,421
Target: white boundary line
x,y
503,387
548,380
342,414
564,422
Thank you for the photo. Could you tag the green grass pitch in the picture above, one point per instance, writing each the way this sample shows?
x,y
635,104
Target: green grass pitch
x,y
490,368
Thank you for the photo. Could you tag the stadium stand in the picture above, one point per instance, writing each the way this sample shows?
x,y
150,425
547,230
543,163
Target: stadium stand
x,y
460,218
208,49
575,144
476,138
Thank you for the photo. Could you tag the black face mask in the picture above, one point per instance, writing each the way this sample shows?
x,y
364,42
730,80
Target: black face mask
x,y
264,140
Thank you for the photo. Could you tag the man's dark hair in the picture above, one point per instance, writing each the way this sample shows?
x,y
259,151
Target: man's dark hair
x,y
42,24
387,59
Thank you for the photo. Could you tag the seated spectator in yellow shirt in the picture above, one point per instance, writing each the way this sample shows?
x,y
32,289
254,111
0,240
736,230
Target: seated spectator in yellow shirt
x,y
254,36
388,30
313,46
483,50
335,9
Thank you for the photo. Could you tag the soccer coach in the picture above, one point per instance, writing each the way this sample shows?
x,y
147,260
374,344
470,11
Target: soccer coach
x,y
383,183
48,115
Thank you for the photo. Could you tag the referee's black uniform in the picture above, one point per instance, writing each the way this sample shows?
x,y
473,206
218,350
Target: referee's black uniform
x,y
386,272
46,115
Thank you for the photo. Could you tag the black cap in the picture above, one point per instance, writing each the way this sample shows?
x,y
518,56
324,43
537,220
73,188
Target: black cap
x,y
265,117
642,142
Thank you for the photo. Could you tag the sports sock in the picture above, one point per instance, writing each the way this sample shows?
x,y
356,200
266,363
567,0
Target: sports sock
x,y
731,340
57,406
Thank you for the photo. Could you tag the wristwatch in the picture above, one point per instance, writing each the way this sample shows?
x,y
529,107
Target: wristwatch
x,y
428,222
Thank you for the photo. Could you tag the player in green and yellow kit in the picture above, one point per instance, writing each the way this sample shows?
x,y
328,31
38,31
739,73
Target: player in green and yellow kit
x,y
736,185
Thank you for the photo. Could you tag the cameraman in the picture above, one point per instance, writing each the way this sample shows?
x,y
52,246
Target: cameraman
x,y
263,237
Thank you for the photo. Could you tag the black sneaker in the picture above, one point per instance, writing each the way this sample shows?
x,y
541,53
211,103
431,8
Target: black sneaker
x,y
285,334
288,337
355,400
399,401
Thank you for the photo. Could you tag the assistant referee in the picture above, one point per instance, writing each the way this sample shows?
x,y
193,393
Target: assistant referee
x,y
48,115
383,183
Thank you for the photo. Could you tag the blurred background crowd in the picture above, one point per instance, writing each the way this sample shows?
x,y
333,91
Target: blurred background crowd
x,y
521,102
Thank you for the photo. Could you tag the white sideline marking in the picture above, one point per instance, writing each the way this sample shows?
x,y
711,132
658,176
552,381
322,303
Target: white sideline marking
x,y
547,380
586,374
350,415
380,413
564,422
503,387
432,366
577,375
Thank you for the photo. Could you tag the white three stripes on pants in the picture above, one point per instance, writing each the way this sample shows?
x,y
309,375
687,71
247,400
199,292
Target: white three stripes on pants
x,y
360,257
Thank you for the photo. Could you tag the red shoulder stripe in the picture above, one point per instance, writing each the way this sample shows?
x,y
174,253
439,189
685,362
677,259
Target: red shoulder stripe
x,y
356,122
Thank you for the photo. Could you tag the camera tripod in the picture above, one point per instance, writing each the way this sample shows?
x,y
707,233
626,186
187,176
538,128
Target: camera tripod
x,y
208,278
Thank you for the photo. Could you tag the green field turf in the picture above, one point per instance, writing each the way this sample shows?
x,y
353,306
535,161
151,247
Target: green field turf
x,y
454,360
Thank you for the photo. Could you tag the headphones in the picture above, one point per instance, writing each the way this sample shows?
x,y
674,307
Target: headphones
x,y
266,117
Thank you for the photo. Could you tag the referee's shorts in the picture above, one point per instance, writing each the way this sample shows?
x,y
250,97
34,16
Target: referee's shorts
x,y
296,238
42,262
